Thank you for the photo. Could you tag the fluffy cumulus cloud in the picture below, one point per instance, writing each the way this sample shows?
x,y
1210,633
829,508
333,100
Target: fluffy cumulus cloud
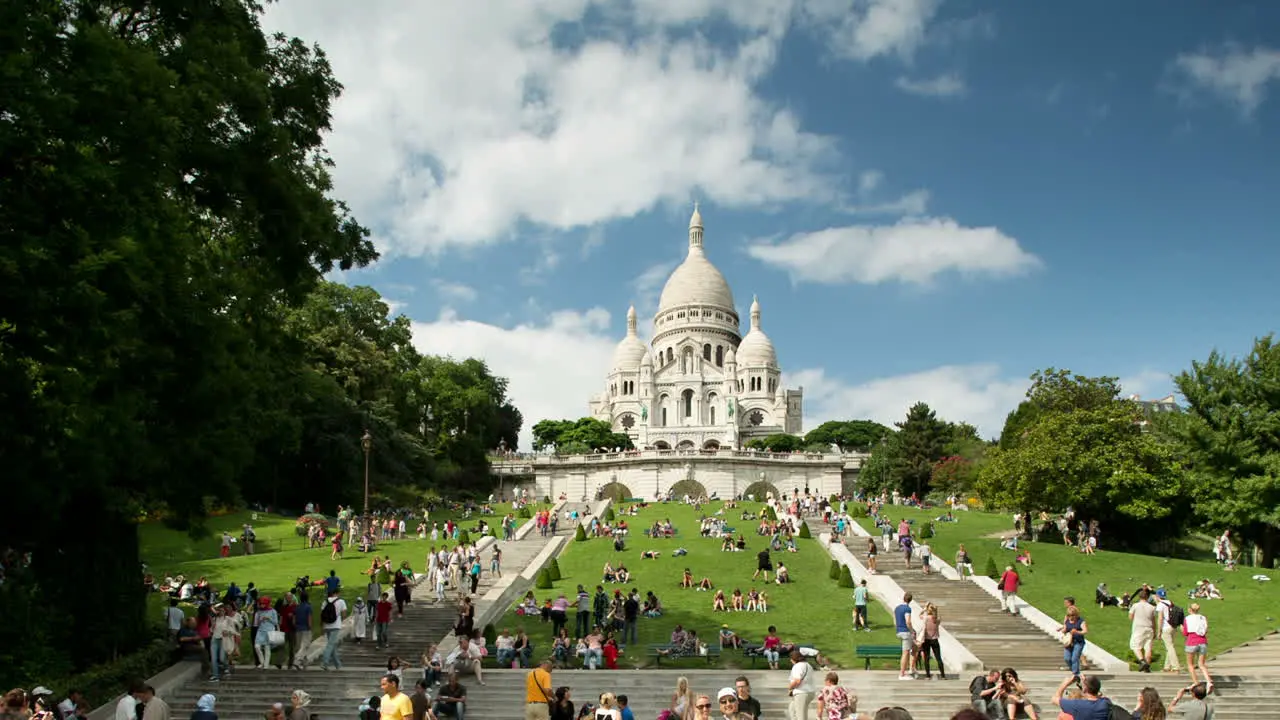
x,y
977,394
462,121
914,250
1234,74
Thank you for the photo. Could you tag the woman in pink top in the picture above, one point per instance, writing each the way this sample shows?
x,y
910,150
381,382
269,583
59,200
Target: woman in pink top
x,y
771,645
1196,629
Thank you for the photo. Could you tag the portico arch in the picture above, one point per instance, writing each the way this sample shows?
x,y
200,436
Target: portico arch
x,y
711,444
761,489
662,445
615,491
685,445
692,488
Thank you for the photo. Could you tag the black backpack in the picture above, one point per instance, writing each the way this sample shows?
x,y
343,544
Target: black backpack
x,y
329,613
1176,616
1119,713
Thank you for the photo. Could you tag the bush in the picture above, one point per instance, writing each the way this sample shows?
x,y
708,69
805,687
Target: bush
x,y
524,513
580,535
846,577
464,537
926,532
834,573
858,510
544,580
304,522
546,499
834,500
991,570
491,532
608,514
102,682
804,531
768,514
490,634
554,567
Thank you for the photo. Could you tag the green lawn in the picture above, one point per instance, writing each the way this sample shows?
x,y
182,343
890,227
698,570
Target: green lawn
x,y
812,610
1247,611
280,556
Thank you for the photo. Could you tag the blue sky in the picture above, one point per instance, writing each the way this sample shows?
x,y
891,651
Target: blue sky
x,y
931,198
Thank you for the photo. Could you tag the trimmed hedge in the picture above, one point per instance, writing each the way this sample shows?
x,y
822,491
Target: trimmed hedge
x,y
544,580
834,573
490,634
858,510
846,577
554,567
580,535
464,537
804,531
524,513
991,570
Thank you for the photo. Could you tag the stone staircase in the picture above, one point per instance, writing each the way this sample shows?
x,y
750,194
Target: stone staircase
x,y
339,693
972,616
1257,656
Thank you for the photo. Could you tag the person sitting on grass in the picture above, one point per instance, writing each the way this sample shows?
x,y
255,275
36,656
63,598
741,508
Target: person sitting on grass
x,y
622,574
652,606
686,580
717,602
608,572
705,585
729,638
649,555
753,600
727,544
763,604
1024,557
783,575
737,600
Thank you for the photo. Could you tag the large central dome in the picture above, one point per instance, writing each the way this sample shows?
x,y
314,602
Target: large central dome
x,y
696,281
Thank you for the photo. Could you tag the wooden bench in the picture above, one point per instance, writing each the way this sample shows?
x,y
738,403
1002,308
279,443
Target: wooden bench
x,y
713,653
874,652
752,651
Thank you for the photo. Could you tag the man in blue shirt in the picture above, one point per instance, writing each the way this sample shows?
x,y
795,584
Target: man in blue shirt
x,y
332,583
860,606
625,709
1090,707
902,626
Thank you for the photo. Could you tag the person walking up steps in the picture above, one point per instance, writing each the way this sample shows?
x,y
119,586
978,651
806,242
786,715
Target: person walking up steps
x,y
1169,619
1009,590
1143,616
1195,627
860,607
902,627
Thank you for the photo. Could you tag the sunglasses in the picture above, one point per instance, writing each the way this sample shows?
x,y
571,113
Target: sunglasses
x,y
703,706
727,700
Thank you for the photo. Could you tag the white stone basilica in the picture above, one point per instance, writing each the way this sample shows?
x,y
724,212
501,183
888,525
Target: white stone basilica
x,y
699,384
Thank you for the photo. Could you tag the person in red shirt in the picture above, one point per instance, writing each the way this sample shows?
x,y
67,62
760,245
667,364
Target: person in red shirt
x,y
289,626
1009,589
382,620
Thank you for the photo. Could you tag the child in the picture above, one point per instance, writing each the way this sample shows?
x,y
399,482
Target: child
x,y
925,556
359,619
396,667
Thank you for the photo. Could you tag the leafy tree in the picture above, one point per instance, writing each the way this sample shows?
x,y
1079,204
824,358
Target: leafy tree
x,y
570,437
1230,436
1082,448
918,444
848,435
778,442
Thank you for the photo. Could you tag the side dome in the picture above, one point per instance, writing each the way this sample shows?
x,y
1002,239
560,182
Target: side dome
x,y
696,281
630,351
756,349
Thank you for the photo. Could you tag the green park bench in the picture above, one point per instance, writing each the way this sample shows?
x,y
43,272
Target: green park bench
x,y
874,652
713,653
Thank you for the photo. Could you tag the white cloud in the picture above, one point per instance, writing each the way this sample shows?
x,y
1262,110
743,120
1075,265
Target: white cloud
x,y
948,85
977,394
865,29
870,180
553,367
911,251
1148,384
1236,75
913,203
462,123
455,292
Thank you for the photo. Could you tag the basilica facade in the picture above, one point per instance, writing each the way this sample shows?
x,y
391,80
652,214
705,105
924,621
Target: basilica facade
x,y
699,383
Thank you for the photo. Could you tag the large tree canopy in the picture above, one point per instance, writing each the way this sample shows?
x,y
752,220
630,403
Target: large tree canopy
x,y
570,437
1076,443
848,435
165,335
1230,433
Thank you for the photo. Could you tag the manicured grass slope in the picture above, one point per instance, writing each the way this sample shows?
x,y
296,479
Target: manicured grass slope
x,y
812,609
280,556
1247,611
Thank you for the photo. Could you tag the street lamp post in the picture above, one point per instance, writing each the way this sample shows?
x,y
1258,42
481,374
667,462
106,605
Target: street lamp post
x,y
366,442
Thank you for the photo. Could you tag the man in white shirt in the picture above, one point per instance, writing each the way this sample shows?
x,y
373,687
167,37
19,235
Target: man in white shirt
x,y
173,618
127,708
1163,607
332,629
1143,616
465,657
802,685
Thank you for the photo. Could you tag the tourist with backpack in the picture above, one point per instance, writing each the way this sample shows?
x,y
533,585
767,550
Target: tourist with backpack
x,y
1170,617
331,614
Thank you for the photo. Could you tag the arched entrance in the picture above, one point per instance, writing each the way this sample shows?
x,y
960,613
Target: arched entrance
x,y
761,489
692,488
661,445
615,491
711,445
685,445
